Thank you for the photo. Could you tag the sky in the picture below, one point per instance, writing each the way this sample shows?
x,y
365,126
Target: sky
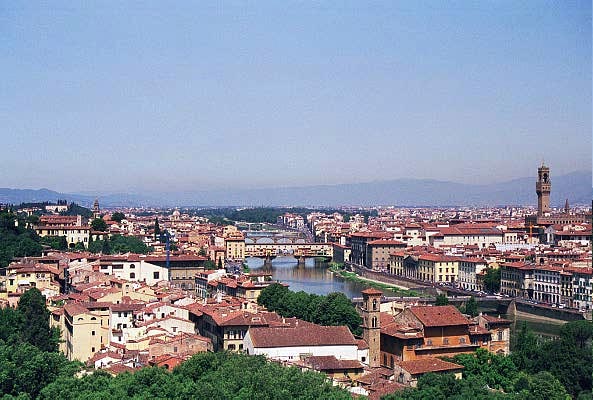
x,y
115,96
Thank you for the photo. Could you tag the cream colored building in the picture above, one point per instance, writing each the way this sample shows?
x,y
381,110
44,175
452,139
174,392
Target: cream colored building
x,y
438,268
73,234
20,277
85,330
235,248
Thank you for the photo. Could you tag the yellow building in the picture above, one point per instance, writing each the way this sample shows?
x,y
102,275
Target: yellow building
x,y
235,247
438,268
73,234
85,329
20,277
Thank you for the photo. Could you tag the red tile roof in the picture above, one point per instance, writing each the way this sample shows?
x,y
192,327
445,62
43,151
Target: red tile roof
x,y
432,316
425,365
302,334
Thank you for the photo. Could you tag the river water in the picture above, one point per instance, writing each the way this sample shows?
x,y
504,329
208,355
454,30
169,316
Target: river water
x,y
315,277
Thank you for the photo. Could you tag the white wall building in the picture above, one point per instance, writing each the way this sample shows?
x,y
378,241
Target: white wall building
x,y
303,339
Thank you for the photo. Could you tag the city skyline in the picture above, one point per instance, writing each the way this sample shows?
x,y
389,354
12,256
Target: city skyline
x,y
111,97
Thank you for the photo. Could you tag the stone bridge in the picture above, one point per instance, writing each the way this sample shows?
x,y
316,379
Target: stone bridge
x,y
300,251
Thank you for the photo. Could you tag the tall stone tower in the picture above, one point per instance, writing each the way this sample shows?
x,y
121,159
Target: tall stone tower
x,y
96,210
371,324
542,188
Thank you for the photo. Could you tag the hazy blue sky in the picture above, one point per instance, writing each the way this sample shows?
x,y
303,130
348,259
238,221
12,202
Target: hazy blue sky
x,y
113,96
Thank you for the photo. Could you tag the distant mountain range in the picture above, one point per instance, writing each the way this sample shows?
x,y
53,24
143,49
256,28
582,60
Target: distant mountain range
x,y
576,187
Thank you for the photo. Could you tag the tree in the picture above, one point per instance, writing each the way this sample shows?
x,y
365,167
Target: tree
x,y
35,323
577,331
25,369
105,247
118,217
545,386
333,309
98,224
525,348
441,300
55,242
471,307
202,252
492,280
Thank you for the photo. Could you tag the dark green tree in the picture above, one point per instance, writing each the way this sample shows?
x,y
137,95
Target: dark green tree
x,y
492,280
441,300
26,370
545,386
35,321
579,332
118,216
55,242
471,307
202,252
525,347
99,225
105,247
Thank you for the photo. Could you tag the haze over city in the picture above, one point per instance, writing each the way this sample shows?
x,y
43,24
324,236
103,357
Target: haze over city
x,y
130,97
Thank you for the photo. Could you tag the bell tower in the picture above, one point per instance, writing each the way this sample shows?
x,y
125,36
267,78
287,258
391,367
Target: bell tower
x,y
371,324
542,188
96,210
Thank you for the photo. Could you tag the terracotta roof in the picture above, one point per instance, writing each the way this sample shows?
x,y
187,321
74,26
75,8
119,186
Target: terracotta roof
x,y
324,363
431,316
387,243
302,334
75,309
371,291
425,365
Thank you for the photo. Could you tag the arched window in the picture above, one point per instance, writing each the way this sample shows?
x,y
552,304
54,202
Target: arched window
x,y
374,322
374,304
132,275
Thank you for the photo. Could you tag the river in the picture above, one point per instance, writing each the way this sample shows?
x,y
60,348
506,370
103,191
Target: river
x,y
315,277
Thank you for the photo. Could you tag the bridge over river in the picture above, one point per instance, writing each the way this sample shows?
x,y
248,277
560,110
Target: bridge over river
x,y
300,251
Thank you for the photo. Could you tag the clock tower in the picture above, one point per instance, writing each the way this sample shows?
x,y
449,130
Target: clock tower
x,y
542,188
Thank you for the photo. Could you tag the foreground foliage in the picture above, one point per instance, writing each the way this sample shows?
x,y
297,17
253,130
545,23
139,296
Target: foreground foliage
x,y
204,376
333,309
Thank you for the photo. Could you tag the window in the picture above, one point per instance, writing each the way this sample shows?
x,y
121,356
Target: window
x,y
132,275
445,340
500,335
155,275
93,333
